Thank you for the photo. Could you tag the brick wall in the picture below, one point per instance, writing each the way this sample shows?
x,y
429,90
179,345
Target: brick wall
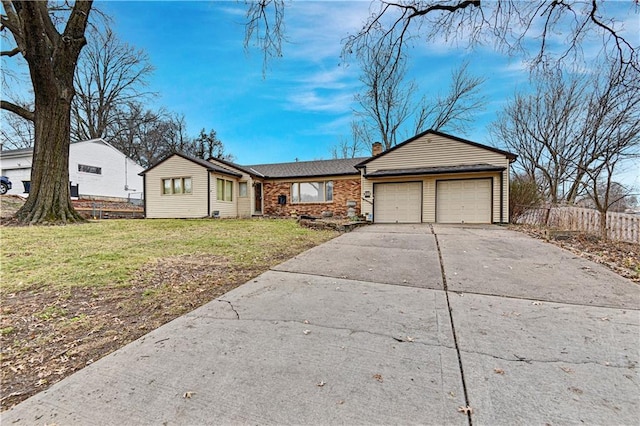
x,y
343,190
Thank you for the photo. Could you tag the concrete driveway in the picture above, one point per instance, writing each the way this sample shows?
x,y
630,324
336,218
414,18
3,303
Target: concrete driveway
x,y
388,324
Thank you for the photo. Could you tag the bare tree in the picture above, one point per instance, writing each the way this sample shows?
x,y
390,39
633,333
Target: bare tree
x,y
109,75
510,25
543,128
146,136
52,57
386,101
455,110
265,28
207,145
612,136
389,107
352,147
573,134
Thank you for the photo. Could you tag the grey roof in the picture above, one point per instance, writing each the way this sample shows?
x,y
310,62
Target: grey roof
x,y
12,152
463,168
299,169
204,163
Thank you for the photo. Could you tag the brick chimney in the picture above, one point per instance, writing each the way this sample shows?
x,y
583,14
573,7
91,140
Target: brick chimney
x,y
376,149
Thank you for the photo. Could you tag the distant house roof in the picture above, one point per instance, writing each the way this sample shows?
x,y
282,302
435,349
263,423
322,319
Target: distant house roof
x,y
16,152
29,151
512,157
199,161
303,169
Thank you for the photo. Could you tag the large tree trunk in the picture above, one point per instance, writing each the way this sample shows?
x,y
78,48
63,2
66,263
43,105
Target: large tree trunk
x,y
49,200
52,58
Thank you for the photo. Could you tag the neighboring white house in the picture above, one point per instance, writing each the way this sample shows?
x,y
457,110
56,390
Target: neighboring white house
x,y
99,170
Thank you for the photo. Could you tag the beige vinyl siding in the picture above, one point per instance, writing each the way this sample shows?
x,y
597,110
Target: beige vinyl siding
x,y
179,205
227,209
435,151
244,205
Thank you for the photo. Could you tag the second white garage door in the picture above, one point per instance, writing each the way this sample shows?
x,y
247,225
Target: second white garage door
x,y
463,201
398,202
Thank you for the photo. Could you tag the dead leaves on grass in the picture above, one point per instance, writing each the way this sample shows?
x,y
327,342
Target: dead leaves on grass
x,y
621,257
69,331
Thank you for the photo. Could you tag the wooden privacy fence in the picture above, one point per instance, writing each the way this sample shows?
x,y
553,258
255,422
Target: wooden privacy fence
x,y
620,226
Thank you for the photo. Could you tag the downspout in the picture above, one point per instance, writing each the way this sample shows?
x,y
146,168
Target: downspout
x,y
144,199
502,196
208,193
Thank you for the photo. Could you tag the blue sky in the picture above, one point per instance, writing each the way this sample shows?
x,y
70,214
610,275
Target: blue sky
x,y
303,105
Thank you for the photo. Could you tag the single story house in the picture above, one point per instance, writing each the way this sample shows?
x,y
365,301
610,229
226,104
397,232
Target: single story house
x,y
432,177
96,168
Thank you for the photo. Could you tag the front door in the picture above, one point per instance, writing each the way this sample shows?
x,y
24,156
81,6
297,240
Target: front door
x,y
258,198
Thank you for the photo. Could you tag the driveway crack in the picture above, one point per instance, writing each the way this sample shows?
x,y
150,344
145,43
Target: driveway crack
x,y
231,306
518,358
453,327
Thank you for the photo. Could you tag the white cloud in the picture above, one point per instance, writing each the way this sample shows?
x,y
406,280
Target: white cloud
x,y
315,29
314,101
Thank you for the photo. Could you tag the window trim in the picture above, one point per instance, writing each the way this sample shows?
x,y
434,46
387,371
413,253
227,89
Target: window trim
x,y
326,185
172,185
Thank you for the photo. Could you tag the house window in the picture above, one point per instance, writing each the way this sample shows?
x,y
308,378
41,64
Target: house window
x,y
176,186
225,190
89,169
312,192
242,189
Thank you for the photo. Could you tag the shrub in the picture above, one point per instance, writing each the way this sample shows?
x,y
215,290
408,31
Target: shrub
x,y
523,194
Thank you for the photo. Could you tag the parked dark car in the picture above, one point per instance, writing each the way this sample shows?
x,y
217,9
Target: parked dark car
x,y
5,185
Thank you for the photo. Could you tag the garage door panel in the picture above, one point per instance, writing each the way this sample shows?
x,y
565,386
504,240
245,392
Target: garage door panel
x,y
463,201
398,202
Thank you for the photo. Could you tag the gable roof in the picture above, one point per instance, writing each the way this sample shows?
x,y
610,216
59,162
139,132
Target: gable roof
x,y
303,169
199,161
512,157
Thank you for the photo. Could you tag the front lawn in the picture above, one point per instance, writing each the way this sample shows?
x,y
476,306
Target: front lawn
x,y
72,294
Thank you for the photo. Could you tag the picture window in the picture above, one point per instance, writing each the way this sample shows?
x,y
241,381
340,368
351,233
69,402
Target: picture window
x,y
312,192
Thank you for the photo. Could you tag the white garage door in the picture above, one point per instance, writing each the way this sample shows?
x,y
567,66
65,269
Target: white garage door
x,y
397,202
464,201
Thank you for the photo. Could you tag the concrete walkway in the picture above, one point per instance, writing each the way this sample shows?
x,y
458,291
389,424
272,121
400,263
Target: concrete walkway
x,y
388,324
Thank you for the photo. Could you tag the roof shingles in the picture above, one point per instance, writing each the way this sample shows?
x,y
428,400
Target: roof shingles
x,y
301,169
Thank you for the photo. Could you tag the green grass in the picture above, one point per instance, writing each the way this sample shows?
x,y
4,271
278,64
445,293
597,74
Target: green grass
x,y
107,253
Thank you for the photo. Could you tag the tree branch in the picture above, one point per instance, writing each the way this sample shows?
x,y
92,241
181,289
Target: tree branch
x,y
17,109
11,52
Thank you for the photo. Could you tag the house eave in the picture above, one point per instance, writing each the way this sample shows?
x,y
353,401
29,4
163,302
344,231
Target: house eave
x,y
289,177
433,171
